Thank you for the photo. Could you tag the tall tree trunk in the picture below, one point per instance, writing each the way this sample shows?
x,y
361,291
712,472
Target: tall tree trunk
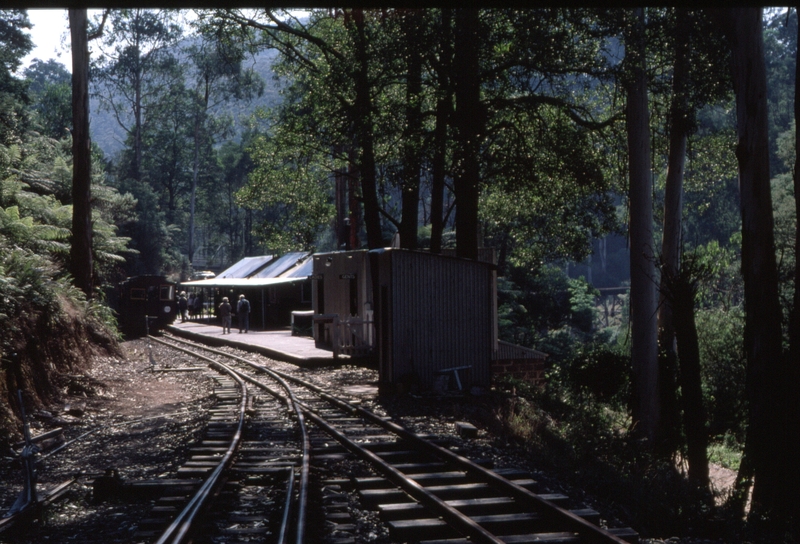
x,y
412,162
137,107
354,207
364,135
81,251
199,119
644,346
794,318
682,290
468,123
671,242
767,378
193,195
444,107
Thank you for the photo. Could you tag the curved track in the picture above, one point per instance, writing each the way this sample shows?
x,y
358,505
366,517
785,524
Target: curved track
x,y
424,491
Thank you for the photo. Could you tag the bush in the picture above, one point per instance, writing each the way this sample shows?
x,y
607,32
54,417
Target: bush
x,y
49,329
724,366
588,444
601,370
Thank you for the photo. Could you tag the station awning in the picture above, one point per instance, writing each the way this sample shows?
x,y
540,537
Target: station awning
x,y
243,283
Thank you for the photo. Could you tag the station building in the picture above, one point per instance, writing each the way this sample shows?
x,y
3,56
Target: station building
x,y
428,321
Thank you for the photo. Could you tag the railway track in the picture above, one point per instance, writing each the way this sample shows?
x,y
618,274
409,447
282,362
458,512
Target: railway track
x,y
423,490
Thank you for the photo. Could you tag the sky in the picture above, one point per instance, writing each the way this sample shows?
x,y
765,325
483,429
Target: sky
x,y
50,35
50,26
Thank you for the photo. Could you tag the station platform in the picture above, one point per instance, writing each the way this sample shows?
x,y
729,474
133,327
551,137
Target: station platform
x,y
276,344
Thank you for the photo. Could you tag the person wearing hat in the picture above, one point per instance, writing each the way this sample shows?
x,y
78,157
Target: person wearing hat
x,y
243,312
225,314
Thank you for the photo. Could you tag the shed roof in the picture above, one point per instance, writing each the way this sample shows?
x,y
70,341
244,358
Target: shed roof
x,y
281,265
264,271
246,267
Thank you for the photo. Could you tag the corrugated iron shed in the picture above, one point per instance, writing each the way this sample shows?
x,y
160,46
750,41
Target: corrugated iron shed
x,y
433,314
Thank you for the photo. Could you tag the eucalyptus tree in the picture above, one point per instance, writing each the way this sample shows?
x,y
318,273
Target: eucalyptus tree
x,y
130,70
794,316
81,253
461,107
217,77
337,63
548,118
770,426
698,77
166,146
51,96
293,190
15,43
644,346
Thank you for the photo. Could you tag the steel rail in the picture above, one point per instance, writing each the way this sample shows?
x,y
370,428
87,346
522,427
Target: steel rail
x,y
291,401
589,531
287,506
459,521
181,525
586,529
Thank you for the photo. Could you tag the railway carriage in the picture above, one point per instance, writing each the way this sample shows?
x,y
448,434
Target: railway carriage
x,y
146,304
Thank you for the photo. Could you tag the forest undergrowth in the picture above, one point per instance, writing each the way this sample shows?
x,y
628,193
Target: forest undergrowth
x,y
590,445
49,336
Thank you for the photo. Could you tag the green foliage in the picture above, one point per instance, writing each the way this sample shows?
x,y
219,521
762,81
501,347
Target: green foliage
x,y
711,201
726,452
230,224
532,302
588,443
597,369
551,312
582,304
780,48
14,45
151,236
50,90
35,191
297,194
723,287
723,367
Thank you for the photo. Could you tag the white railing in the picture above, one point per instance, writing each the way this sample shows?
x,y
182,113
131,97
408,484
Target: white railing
x,y
354,336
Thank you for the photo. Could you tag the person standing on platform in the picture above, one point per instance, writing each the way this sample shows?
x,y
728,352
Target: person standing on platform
x,y
198,305
225,314
243,312
183,305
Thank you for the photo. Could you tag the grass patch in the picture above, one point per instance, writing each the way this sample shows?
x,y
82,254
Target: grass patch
x,y
725,452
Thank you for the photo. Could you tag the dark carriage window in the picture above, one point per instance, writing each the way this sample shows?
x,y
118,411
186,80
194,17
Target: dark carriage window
x,y
138,293
167,292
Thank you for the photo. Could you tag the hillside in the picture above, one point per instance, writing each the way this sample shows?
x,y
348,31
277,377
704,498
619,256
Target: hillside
x,y
109,135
